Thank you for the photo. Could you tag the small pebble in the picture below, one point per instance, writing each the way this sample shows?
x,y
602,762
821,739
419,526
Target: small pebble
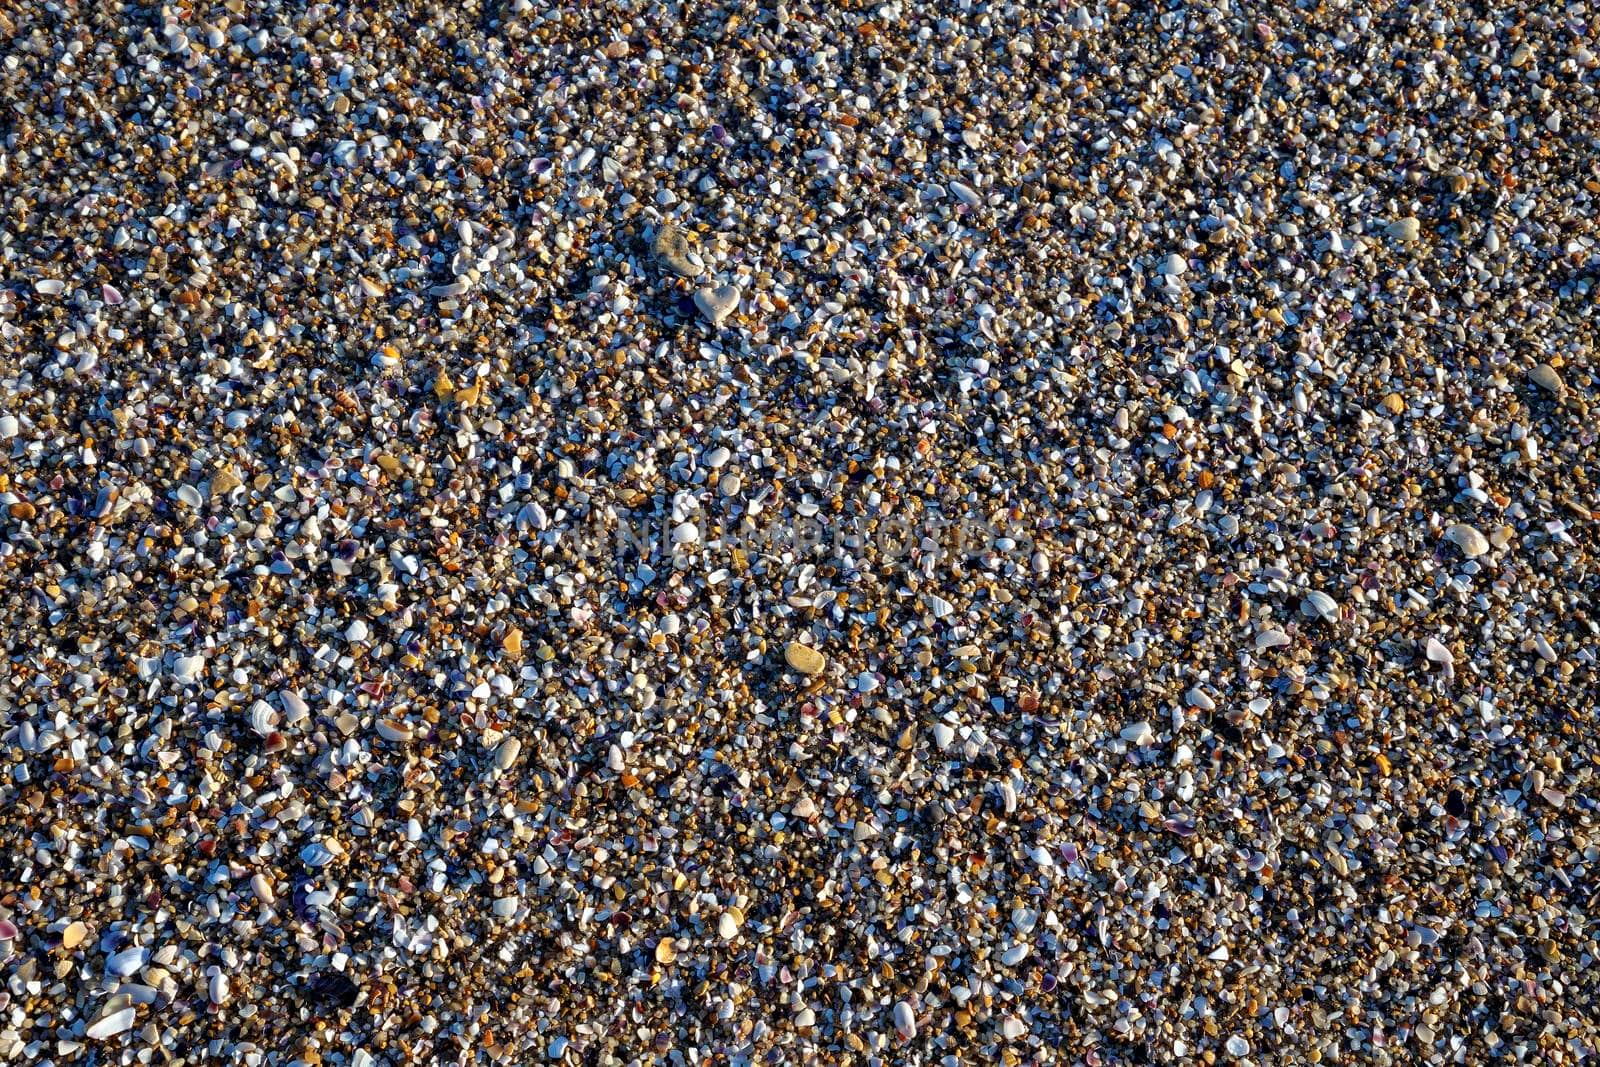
x,y
506,753
1139,734
1468,539
804,659
1541,374
718,302
1406,229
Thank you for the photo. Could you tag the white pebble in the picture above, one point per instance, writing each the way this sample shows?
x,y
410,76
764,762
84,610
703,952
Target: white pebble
x,y
1014,954
905,1021
110,1025
128,961
1319,605
1468,539
505,755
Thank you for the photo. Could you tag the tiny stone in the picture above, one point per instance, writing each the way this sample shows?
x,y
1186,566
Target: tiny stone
x,y
1139,734
1468,539
804,659
506,753
1319,605
1545,377
262,889
717,303
905,1021
1406,229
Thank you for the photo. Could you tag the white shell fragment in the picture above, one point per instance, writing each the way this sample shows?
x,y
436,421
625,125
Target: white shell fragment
x,y
905,1021
1138,733
1319,605
1468,539
111,1024
128,961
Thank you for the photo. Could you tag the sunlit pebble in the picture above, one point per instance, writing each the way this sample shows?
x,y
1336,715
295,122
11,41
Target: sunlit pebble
x,y
110,1024
1319,605
505,755
128,961
905,1021
1545,377
262,889
716,303
1467,538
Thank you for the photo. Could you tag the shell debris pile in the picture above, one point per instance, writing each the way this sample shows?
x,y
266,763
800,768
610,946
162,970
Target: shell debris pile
x,y
800,532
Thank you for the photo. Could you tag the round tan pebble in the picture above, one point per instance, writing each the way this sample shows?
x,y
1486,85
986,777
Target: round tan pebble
x,y
804,658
